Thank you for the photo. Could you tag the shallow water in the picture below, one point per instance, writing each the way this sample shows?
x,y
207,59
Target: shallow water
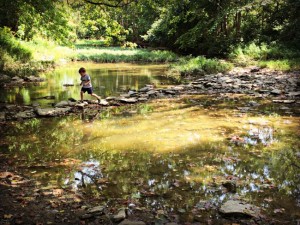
x,y
107,80
167,155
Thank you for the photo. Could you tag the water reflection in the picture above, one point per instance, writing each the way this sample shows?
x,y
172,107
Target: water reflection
x,y
107,79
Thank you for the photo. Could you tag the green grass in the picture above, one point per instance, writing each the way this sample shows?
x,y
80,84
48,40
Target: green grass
x,y
116,54
91,43
199,65
282,65
89,50
274,57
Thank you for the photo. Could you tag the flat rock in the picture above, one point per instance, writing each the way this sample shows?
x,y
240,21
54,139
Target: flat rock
x,y
287,101
65,104
28,114
150,93
81,105
34,79
239,208
110,98
128,100
121,215
52,111
199,86
145,89
131,222
296,93
103,102
169,92
96,210
142,99
276,92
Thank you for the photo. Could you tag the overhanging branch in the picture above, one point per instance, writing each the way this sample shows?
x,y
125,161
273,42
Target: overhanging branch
x,y
117,4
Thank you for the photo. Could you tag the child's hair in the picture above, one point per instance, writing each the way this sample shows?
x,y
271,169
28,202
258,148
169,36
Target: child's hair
x,y
82,70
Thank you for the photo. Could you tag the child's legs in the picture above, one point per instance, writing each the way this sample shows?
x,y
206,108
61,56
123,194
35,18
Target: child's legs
x,y
81,95
94,95
90,91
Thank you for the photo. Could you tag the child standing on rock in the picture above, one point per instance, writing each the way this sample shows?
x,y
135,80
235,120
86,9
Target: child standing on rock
x,y
86,84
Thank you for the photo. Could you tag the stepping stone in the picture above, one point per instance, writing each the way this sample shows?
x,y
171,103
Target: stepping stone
x,y
239,208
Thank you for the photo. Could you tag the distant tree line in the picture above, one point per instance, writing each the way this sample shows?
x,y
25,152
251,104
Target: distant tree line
x,y
198,27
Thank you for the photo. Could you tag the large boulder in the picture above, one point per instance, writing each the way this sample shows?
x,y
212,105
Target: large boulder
x,y
46,112
239,208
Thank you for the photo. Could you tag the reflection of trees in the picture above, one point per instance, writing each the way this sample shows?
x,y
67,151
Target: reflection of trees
x,y
285,167
133,172
49,139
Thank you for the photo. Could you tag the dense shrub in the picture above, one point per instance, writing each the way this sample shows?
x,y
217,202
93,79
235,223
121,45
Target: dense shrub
x,y
200,65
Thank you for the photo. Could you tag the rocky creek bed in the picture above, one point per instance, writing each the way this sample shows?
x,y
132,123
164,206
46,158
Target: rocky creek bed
x,y
24,200
278,87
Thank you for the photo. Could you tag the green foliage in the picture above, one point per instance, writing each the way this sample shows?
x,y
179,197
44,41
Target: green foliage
x,y
273,56
13,55
200,65
281,65
129,45
49,19
97,23
12,46
213,27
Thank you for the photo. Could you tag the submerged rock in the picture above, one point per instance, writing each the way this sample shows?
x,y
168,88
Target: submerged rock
x,y
46,97
52,111
239,208
130,222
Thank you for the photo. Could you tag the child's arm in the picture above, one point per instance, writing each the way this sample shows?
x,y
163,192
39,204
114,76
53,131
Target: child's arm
x,y
87,82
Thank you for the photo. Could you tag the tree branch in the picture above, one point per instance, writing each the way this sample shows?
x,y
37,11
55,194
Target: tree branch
x,y
119,3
